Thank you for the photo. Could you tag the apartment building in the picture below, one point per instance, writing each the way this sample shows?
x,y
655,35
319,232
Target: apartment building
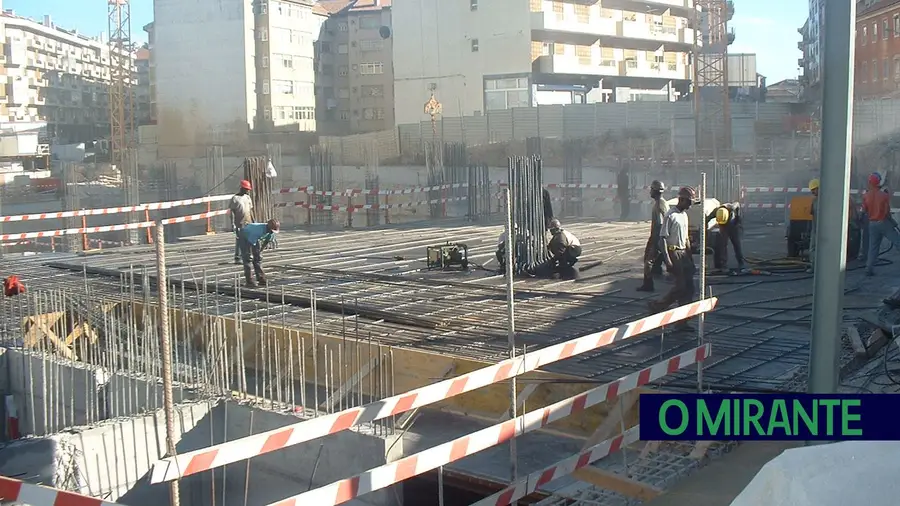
x,y
151,73
142,113
354,70
478,55
227,67
877,58
55,75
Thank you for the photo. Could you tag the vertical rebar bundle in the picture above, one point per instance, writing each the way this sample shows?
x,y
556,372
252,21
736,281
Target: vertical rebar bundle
x,y
71,202
373,216
322,179
131,188
525,178
478,192
434,164
573,174
456,162
255,172
215,180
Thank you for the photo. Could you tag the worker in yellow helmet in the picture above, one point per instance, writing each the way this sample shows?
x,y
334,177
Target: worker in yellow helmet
x,y
731,228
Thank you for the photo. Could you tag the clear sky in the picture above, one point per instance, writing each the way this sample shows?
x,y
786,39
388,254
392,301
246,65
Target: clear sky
x,y
765,27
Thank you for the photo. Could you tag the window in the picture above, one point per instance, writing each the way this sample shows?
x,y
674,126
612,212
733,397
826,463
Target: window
x,y
265,88
342,27
874,32
373,91
371,45
283,87
371,68
874,70
264,34
263,7
287,61
369,22
558,9
584,54
886,69
344,71
343,49
582,13
373,113
265,61
896,25
267,113
343,93
474,45
537,5
884,29
324,47
865,35
345,115
473,5
506,93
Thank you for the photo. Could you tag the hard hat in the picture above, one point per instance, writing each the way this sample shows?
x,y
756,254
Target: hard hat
x,y
657,186
813,184
875,179
722,215
686,192
555,224
245,185
273,225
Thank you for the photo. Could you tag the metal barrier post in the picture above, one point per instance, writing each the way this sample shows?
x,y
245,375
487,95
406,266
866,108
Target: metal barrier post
x,y
149,234
387,209
84,238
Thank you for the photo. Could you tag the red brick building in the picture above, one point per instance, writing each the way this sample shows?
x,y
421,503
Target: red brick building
x,y
877,64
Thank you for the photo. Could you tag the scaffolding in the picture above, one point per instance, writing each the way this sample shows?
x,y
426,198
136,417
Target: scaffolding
x,y
712,112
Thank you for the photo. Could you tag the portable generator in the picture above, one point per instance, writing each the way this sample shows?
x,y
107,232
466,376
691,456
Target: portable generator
x,y
448,255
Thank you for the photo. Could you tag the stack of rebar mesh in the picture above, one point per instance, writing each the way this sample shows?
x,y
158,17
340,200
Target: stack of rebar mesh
x,y
525,177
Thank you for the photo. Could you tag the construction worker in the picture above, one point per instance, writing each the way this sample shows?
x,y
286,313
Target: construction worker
x,y
254,238
728,218
241,207
877,206
676,252
863,222
652,254
623,189
12,286
564,247
852,216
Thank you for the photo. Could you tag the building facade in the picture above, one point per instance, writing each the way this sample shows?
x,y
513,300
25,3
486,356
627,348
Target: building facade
x,y
142,102
227,67
151,73
354,67
542,52
877,57
55,75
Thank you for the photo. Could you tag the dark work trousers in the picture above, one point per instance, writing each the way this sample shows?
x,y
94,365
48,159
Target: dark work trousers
x,y
569,257
237,244
251,255
728,233
652,260
683,270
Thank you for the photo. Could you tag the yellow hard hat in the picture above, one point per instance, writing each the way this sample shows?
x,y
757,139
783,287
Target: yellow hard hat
x,y
814,184
722,215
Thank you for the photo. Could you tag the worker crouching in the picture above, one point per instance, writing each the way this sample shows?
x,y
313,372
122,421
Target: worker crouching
x,y
12,286
564,249
254,237
676,252
652,253
728,218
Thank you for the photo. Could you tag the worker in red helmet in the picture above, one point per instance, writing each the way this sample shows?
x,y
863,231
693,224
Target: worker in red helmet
x,y
877,206
12,286
675,247
241,207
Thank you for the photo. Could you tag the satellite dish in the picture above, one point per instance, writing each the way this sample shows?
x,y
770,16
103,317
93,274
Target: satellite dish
x,y
385,32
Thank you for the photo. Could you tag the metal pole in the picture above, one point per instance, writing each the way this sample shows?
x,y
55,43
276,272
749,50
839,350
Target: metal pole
x,y
831,236
511,325
703,294
163,289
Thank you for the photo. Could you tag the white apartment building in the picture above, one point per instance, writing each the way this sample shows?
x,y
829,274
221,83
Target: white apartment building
x,y
226,67
482,55
54,75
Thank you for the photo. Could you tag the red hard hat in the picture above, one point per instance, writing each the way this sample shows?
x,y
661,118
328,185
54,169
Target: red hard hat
x,y
245,185
875,180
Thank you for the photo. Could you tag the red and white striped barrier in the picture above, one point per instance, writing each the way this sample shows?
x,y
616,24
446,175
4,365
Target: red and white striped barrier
x,y
18,492
366,207
186,464
114,210
109,228
793,189
531,483
384,476
352,192
733,160
788,206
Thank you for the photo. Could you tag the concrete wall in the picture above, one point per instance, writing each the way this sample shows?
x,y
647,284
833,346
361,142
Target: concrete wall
x,y
52,394
203,77
457,71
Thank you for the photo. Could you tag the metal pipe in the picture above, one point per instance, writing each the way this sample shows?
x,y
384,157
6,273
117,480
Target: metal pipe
x,y
162,287
831,218
511,327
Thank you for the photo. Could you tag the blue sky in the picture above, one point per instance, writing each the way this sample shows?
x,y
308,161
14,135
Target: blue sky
x,y
765,27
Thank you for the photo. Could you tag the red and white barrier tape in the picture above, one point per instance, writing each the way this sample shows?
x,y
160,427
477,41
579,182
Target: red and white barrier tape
x,y
792,189
172,468
531,483
384,476
365,207
351,192
733,160
19,492
788,206
115,210
109,228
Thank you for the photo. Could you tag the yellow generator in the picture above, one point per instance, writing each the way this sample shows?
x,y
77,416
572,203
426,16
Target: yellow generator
x,y
799,229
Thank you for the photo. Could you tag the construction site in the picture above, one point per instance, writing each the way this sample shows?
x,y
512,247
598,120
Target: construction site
x,y
389,359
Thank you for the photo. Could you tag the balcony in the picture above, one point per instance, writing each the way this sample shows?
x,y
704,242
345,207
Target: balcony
x,y
549,27
568,64
651,37
680,8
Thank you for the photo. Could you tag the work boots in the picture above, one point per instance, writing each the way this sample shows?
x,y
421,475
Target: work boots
x,y
248,277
